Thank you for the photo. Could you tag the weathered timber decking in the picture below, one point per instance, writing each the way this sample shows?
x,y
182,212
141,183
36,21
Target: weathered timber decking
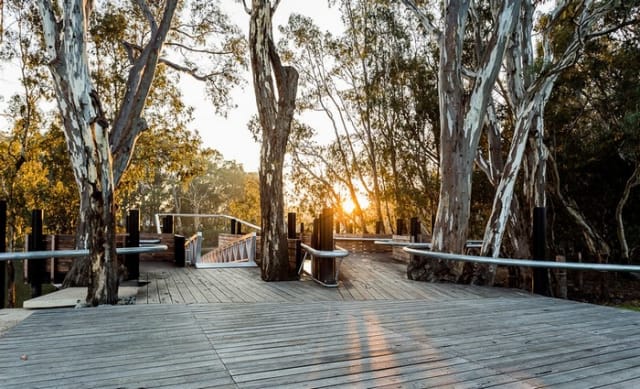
x,y
442,336
363,277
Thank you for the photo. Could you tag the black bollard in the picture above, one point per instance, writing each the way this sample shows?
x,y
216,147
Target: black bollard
x,y
326,267
37,267
540,275
233,226
178,250
291,225
132,261
414,229
399,226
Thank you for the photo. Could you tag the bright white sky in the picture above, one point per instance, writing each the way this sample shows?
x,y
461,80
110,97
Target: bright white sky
x,y
230,135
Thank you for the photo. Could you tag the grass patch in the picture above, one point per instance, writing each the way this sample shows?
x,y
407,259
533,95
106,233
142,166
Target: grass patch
x,y
630,305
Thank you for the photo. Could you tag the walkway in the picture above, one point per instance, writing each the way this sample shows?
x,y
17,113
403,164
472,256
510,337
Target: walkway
x,y
455,337
363,277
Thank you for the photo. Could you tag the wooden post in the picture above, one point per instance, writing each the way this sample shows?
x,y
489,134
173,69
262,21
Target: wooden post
x,y
315,233
414,229
167,224
540,275
238,228
301,231
291,225
3,248
37,267
295,257
379,227
132,261
399,226
337,227
178,250
233,226
326,266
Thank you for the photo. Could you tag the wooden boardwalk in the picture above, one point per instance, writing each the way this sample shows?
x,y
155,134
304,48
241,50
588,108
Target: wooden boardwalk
x,y
300,335
363,277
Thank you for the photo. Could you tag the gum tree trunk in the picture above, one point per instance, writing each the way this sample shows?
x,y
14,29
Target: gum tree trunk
x,y
275,113
99,152
528,97
461,120
632,182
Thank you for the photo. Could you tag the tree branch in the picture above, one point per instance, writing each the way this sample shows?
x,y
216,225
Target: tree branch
x,y
193,50
424,20
148,15
129,124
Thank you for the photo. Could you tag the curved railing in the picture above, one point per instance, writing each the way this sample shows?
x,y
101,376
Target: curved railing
x,y
246,223
339,253
523,262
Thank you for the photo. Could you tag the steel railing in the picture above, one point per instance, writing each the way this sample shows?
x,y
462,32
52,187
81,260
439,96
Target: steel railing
x,y
18,256
523,262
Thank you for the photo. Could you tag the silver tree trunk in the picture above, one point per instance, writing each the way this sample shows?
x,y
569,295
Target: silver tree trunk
x,y
275,115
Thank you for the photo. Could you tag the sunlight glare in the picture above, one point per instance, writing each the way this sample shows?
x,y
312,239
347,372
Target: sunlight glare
x,y
348,206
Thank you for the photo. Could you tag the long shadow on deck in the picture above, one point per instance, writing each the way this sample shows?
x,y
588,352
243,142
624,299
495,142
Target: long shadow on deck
x,y
512,341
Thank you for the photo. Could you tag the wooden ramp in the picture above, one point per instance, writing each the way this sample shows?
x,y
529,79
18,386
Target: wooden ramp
x,y
508,341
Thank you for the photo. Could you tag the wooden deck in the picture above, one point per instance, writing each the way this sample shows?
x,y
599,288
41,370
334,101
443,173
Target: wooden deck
x,y
298,335
363,277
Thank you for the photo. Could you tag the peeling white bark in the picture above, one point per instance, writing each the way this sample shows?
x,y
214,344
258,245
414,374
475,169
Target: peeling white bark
x,y
87,131
528,98
632,182
275,113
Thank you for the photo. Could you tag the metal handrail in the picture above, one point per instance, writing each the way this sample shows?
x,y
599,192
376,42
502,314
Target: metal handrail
x,y
246,223
76,253
524,262
396,243
353,238
471,244
338,253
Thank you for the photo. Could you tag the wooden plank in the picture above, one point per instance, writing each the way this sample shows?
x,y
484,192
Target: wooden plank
x,y
299,334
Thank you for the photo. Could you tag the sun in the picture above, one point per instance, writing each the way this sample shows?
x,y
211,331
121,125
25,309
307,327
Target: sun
x,y
348,206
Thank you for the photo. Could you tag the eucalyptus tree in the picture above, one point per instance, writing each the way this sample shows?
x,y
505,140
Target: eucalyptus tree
x,y
527,91
593,120
464,95
276,105
370,82
99,150
467,86
113,121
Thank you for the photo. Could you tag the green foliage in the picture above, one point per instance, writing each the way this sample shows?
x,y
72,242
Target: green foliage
x,y
375,84
35,169
593,121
